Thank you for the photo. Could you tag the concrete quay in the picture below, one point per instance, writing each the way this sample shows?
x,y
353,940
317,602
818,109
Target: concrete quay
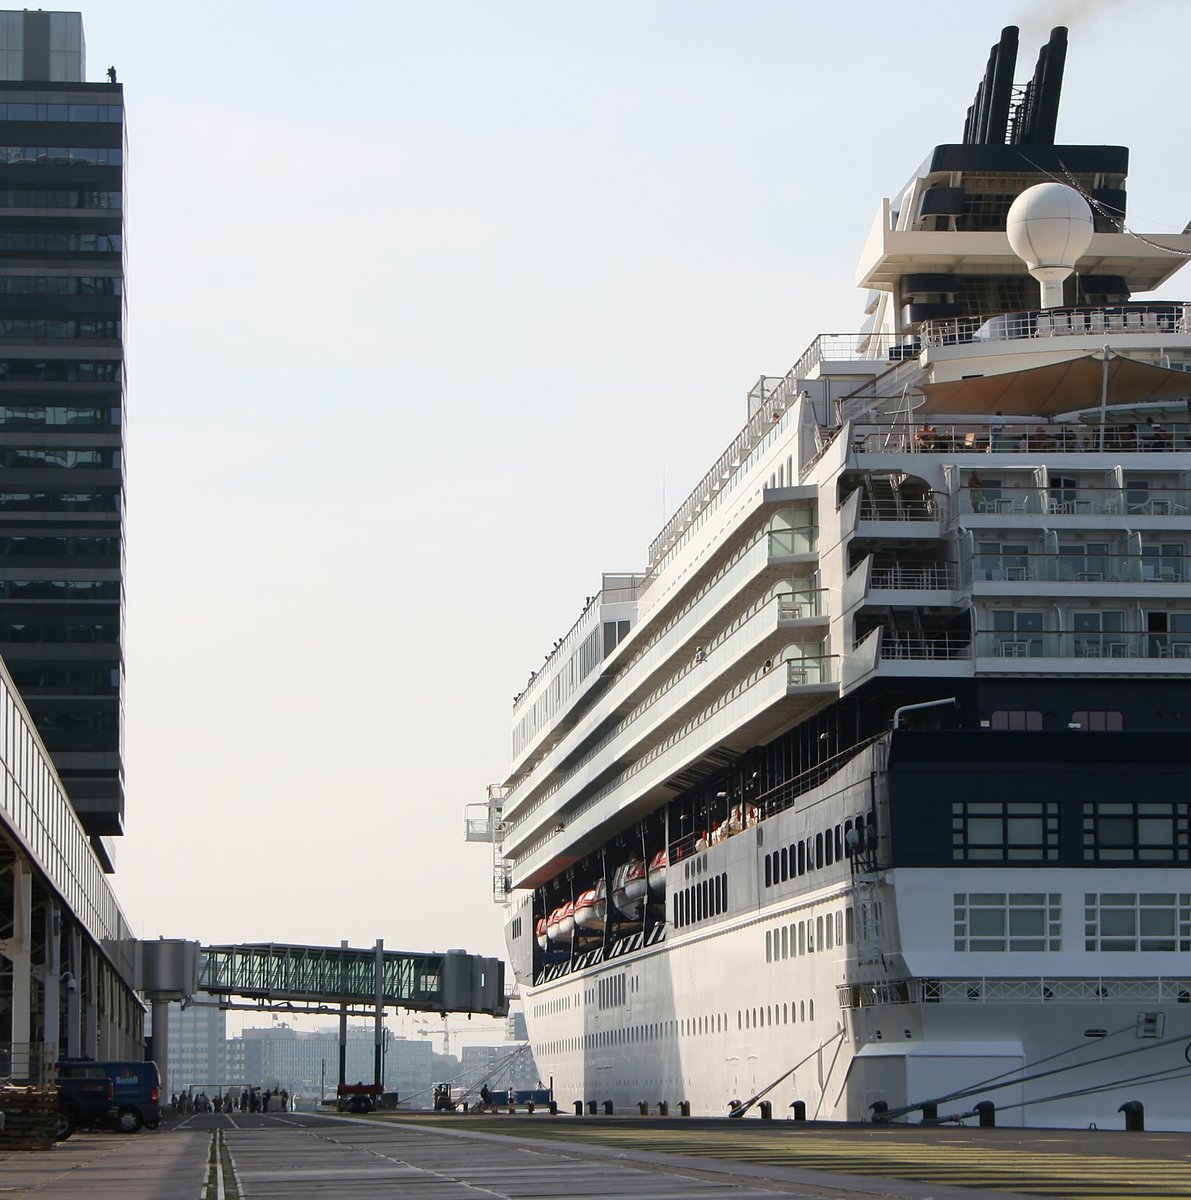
x,y
462,1157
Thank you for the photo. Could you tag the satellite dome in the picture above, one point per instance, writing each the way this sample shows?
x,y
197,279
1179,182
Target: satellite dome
x,y
1049,228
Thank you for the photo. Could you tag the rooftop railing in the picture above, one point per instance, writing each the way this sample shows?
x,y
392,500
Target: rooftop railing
x,y
1097,321
930,647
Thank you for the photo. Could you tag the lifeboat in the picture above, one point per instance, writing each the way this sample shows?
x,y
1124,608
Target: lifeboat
x,y
586,916
554,925
628,888
657,874
566,922
540,932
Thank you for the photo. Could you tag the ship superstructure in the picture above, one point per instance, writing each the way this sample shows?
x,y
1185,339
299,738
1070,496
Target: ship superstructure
x,y
872,786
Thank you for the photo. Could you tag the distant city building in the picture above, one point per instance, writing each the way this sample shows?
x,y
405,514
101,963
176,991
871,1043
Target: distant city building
x,y
197,1044
306,1063
62,404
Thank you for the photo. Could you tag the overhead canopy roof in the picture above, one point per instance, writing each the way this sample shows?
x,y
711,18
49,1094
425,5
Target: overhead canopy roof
x,y
1057,388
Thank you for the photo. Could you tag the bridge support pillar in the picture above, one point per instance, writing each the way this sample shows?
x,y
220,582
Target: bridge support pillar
x,y
161,1040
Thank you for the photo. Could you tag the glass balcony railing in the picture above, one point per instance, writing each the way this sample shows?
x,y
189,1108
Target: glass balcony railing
x,y
982,500
1074,568
794,606
801,672
1071,644
793,541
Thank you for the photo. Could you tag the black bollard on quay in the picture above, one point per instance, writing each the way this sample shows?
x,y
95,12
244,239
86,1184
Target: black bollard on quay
x,y
1135,1116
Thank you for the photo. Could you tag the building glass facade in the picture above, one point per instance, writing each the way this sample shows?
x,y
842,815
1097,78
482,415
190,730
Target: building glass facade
x,y
62,489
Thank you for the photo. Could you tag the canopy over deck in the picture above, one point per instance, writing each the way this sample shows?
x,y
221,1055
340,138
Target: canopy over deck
x,y
1060,387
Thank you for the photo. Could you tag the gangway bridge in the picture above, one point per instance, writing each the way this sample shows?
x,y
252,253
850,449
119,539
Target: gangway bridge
x,y
269,976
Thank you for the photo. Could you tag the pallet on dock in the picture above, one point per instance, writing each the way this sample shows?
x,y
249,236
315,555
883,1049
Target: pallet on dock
x,y
30,1117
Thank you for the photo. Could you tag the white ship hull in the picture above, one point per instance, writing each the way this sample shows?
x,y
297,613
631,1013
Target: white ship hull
x,y
900,699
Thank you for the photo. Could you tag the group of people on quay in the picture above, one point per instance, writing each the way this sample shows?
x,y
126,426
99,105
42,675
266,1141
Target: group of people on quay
x,y
244,1099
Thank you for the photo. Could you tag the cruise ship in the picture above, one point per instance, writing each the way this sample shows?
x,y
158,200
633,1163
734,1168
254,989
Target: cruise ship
x,y
867,798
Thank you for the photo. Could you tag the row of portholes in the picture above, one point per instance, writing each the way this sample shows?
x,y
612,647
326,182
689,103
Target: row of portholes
x,y
808,935
772,1014
796,1011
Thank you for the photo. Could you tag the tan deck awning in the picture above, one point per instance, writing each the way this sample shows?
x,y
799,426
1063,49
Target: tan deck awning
x,y
1057,388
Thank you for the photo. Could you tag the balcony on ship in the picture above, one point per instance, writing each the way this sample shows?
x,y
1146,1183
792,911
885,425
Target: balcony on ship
x,y
983,496
1085,564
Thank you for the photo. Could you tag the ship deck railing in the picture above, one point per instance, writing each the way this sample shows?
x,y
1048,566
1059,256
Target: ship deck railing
x,y
785,606
1018,644
800,673
1019,437
1140,317
1096,989
927,577
979,497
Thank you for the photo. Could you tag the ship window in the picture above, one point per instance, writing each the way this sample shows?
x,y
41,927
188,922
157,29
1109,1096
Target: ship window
x,y
768,946
802,1010
811,1008
801,859
1016,719
1014,921
1145,921
769,870
829,848
1107,721
819,851
1000,831
801,938
785,942
829,929
785,864
819,933
1136,831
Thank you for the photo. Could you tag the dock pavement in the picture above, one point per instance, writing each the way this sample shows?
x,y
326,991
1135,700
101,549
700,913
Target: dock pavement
x,y
502,1157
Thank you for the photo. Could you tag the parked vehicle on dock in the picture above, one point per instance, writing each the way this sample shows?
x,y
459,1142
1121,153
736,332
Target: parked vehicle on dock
x,y
114,1095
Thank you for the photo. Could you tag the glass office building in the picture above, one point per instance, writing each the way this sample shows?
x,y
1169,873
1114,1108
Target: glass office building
x,y
62,404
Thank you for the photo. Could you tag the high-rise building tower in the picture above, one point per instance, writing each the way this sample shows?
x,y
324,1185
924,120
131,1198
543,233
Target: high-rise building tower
x,y
62,404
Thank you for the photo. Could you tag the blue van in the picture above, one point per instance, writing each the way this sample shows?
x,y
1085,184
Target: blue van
x,y
119,1095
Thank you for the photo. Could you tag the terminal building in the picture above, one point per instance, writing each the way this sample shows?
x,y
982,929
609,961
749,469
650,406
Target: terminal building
x,y
66,950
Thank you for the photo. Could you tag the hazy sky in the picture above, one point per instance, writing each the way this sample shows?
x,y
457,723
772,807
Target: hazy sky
x,y
434,310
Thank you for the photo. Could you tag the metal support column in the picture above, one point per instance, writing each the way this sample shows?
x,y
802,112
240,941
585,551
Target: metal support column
x,y
18,949
379,1026
74,974
50,974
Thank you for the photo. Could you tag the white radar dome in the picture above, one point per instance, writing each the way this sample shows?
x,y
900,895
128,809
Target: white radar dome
x,y
1050,228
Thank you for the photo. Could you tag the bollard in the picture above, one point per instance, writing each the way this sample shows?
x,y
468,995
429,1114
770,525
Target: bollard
x,y
592,1107
663,1108
766,1108
879,1108
463,1105
987,1111
554,1108
578,1108
607,1108
799,1107
684,1108
529,1106
643,1108
930,1112
512,1108
1135,1116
